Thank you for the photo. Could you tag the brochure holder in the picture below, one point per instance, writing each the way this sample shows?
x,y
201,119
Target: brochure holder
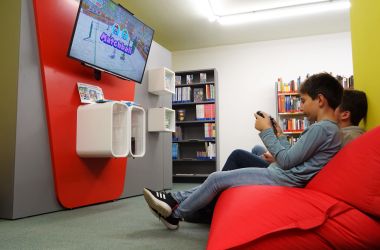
x,y
102,130
136,126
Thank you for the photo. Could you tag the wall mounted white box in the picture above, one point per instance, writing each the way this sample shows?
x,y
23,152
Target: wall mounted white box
x,y
161,120
102,130
161,81
136,141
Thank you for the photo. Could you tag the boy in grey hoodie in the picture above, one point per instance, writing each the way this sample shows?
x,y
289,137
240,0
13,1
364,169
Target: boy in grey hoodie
x,y
349,113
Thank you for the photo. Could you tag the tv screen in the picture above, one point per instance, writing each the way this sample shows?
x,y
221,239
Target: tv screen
x,y
108,37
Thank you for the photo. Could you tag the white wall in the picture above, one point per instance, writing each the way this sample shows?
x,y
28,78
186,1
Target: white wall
x,y
247,73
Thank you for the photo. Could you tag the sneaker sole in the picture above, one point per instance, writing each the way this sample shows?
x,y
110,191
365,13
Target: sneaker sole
x,y
161,207
166,224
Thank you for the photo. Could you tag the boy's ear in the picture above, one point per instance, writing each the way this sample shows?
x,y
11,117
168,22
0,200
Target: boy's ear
x,y
345,115
321,100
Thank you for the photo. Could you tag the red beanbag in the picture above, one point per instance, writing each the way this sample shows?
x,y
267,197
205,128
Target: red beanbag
x,y
270,217
246,213
353,175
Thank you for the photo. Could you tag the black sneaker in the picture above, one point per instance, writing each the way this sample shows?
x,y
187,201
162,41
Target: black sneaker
x,y
163,203
170,222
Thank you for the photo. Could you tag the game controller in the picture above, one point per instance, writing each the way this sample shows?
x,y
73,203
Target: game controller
x,y
271,120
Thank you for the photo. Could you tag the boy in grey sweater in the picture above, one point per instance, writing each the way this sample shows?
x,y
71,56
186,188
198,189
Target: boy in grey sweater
x,y
349,114
295,165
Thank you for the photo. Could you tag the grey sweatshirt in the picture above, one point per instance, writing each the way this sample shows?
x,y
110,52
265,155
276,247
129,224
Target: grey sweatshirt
x,y
349,133
296,165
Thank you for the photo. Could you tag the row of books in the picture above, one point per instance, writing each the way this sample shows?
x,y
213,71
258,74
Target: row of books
x,y
190,79
209,153
288,87
205,111
183,94
210,92
294,86
294,124
289,104
210,131
347,82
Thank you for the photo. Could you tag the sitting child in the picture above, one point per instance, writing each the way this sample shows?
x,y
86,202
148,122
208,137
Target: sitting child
x,y
350,112
294,166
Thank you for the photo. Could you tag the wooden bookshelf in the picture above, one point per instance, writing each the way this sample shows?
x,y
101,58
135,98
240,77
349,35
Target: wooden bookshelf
x,y
196,98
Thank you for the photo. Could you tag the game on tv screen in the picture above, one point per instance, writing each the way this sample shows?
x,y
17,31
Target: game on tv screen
x,y
108,37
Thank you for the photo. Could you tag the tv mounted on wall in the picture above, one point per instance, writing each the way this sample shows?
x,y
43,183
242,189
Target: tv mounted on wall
x,y
109,38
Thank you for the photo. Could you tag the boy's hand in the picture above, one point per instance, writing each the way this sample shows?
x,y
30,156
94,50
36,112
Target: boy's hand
x,y
279,130
262,123
268,157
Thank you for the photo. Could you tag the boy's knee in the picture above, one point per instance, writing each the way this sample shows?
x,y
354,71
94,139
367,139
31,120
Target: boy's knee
x,y
214,176
237,152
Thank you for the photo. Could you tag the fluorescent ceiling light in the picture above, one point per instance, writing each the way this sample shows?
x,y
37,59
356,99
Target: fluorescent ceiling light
x,y
229,12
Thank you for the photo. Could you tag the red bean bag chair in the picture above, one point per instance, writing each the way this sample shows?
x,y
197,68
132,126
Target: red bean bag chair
x,y
338,209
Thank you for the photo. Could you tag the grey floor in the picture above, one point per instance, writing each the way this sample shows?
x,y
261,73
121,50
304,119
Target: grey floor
x,y
123,224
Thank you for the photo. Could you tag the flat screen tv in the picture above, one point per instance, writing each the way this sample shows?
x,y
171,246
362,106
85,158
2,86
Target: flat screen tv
x,y
109,38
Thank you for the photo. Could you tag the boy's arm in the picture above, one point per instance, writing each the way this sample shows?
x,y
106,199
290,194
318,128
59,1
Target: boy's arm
x,y
302,150
284,141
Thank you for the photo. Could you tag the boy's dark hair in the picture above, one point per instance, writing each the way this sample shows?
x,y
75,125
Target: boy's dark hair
x,y
354,101
326,85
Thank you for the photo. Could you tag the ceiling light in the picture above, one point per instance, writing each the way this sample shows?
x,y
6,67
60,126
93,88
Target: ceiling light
x,y
272,10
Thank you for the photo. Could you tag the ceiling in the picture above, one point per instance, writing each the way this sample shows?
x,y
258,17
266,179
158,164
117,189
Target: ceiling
x,y
180,25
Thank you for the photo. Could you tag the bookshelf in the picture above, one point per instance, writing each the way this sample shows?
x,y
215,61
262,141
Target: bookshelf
x,y
194,141
288,106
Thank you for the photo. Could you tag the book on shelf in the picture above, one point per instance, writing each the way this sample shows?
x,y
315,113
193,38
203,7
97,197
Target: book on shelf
x,y
189,79
288,87
205,111
198,94
209,130
182,95
202,77
209,153
347,82
210,92
175,151
178,80
177,134
294,124
289,104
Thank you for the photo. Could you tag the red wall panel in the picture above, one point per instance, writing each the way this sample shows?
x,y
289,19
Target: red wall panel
x,y
78,181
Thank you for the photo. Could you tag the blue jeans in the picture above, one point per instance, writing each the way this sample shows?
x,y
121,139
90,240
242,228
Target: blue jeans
x,y
244,159
190,201
237,159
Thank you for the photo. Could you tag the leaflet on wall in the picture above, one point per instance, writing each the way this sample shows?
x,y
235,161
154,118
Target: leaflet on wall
x,y
89,93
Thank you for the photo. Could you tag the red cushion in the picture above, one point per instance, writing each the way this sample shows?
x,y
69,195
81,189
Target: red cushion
x,y
269,217
247,213
353,175
347,230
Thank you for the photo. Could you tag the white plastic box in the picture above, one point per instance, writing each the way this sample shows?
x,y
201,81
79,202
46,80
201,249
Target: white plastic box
x,y
102,130
161,81
161,120
136,116
110,129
